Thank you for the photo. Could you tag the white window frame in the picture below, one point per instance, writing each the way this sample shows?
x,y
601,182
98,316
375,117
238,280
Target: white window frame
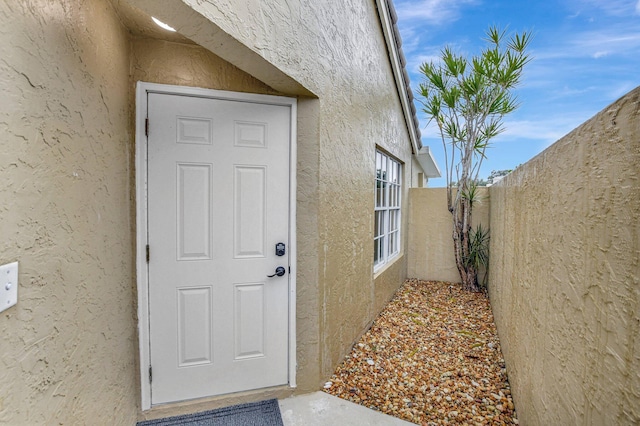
x,y
388,212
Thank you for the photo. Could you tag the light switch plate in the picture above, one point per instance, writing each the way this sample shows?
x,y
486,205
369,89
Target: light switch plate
x,y
8,285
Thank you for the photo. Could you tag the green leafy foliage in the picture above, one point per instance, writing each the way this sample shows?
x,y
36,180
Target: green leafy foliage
x,y
478,256
467,99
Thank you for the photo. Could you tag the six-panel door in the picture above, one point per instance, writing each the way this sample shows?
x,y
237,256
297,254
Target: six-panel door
x,y
218,203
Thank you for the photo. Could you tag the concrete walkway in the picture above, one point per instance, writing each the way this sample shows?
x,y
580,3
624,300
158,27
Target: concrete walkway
x,y
322,409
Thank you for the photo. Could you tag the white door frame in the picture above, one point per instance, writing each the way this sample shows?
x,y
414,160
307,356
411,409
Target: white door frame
x,y
142,90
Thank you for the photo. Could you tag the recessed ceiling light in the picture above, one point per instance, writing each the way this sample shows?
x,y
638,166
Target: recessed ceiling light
x,y
162,24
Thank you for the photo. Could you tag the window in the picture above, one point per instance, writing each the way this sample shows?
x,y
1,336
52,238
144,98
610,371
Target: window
x,y
386,238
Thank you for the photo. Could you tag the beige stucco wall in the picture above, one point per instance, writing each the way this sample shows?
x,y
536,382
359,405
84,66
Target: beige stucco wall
x,y
565,274
430,242
337,56
67,348
335,51
159,61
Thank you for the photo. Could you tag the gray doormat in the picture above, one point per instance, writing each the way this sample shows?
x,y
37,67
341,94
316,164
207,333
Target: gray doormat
x,y
263,413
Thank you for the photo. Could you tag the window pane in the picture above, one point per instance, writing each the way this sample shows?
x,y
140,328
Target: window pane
x,y
393,243
388,187
393,171
392,240
377,250
383,194
383,168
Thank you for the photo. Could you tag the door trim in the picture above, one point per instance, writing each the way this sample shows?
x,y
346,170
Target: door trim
x,y
142,276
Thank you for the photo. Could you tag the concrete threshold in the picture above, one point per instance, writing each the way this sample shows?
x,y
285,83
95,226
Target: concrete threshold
x,y
321,409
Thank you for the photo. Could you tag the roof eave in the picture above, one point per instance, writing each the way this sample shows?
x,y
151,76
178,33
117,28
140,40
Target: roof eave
x,y
428,163
392,38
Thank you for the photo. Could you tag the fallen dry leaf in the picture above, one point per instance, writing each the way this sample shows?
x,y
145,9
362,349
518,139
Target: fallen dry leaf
x,y
432,357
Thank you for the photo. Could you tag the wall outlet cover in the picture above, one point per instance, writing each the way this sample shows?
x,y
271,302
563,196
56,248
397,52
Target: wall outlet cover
x,y
8,285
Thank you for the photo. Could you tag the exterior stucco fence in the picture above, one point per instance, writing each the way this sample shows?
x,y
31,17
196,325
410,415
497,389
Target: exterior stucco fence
x,y
430,242
564,279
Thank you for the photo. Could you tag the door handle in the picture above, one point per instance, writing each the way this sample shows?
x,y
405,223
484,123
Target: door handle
x,y
280,271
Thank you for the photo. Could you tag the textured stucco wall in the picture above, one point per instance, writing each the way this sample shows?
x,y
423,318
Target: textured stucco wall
x,y
69,70
430,243
159,61
565,274
67,349
337,52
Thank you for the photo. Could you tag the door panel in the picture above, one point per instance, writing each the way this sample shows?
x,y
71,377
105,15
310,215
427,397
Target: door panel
x,y
249,320
249,222
218,203
194,326
194,216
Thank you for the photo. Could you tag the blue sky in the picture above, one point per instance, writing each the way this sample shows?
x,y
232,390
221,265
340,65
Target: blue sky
x,y
585,55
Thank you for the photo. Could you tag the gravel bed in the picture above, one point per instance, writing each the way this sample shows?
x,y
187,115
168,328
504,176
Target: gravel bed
x,y
432,357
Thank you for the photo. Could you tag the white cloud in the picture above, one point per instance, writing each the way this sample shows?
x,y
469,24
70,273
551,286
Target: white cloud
x,y
621,89
431,11
616,41
546,131
622,40
415,62
619,8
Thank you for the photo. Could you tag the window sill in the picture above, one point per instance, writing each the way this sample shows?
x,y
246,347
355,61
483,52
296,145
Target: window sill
x,y
382,268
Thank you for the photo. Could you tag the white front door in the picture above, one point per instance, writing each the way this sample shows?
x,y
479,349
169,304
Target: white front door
x,y
218,204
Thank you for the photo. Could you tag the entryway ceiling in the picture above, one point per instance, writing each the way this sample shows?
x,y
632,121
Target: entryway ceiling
x,y
140,24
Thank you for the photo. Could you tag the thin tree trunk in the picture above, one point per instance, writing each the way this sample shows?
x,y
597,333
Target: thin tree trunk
x,y
461,214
